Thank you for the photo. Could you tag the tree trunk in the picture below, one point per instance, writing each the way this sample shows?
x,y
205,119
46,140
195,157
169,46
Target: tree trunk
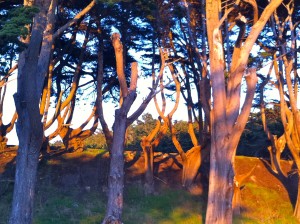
x,y
29,126
219,209
227,118
236,201
74,144
116,172
26,170
191,166
149,179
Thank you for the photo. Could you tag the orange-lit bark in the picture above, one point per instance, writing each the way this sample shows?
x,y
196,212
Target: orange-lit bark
x,y
72,138
116,172
118,47
286,73
148,148
288,106
33,65
198,75
122,121
227,121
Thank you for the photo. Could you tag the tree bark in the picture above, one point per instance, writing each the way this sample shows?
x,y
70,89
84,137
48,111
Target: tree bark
x,y
191,166
116,171
29,127
33,66
149,176
148,145
227,121
221,169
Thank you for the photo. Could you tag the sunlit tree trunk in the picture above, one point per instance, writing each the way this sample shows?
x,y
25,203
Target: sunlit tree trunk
x,y
285,68
116,171
227,120
148,146
122,121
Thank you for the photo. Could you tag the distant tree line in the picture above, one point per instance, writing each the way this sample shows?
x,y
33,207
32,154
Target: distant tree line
x,y
253,142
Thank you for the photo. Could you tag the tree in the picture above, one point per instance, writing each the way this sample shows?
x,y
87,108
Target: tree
x,y
64,111
227,120
284,29
116,173
122,121
33,66
13,21
153,139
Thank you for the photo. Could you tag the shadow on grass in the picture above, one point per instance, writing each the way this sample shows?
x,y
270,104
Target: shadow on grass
x,y
290,182
71,189
75,206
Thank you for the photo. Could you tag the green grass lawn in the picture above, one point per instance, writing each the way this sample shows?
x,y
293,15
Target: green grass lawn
x,y
58,204
61,206
174,206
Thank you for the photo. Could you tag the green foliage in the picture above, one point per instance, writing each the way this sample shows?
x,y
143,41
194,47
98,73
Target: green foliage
x,y
136,131
142,128
96,141
145,126
12,26
254,141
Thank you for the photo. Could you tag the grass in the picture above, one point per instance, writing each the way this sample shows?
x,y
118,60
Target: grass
x,y
73,206
53,206
74,203
175,206
265,206
5,202
169,206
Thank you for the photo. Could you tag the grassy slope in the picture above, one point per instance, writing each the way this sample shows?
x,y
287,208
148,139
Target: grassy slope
x,y
82,199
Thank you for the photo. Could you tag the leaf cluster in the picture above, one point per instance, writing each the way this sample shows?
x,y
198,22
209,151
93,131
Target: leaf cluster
x,y
12,24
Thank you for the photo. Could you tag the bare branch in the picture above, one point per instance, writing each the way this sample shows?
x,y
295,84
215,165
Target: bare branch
x,y
73,21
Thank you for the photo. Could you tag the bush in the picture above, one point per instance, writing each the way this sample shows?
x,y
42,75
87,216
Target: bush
x,y
96,141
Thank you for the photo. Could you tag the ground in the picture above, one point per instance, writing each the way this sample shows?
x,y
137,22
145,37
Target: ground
x,y
72,189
